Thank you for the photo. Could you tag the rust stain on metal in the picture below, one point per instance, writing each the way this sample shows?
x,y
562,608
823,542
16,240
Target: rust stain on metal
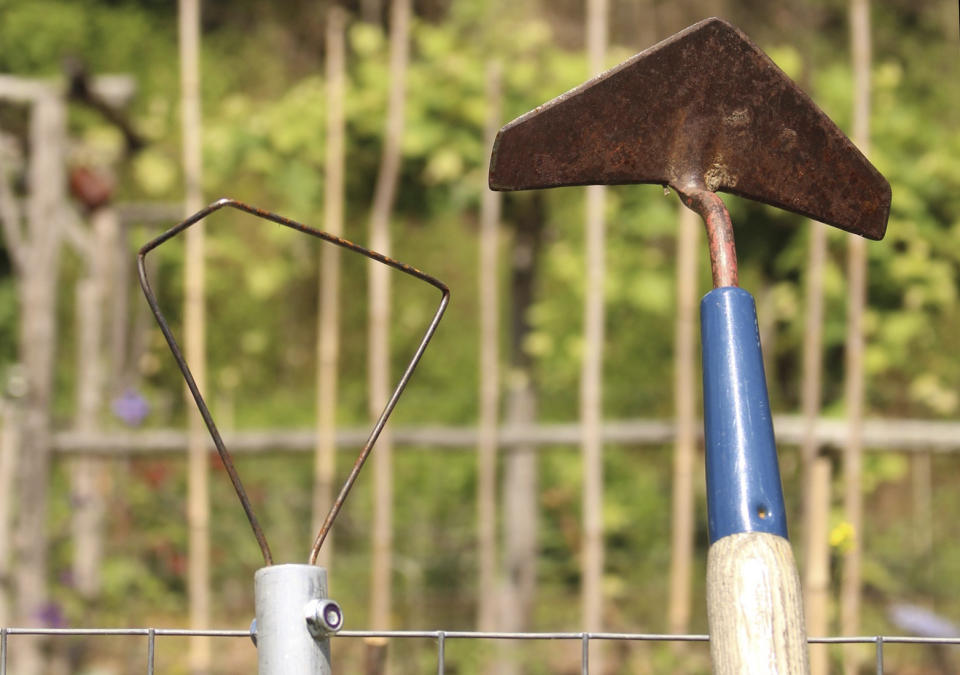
x,y
706,105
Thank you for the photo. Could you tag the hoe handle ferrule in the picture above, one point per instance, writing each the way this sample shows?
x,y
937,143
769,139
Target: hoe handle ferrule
x,y
754,604
743,477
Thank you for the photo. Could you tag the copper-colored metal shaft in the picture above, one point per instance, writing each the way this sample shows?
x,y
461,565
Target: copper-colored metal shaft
x,y
716,218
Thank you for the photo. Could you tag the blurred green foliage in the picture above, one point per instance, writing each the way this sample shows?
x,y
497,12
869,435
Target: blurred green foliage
x,y
264,116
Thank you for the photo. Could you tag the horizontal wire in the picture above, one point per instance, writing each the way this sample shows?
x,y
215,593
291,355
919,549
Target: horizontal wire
x,y
471,635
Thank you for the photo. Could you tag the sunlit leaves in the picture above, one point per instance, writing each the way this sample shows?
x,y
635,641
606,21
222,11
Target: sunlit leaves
x,y
155,173
788,59
44,32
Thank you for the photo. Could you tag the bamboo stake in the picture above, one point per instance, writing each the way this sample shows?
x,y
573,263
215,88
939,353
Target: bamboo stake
x,y
897,435
198,498
816,583
854,386
520,472
328,343
685,424
489,375
379,316
591,374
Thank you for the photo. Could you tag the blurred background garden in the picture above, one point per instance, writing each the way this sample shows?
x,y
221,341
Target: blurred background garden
x,y
373,119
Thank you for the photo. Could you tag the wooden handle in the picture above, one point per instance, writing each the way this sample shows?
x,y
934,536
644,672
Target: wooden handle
x,y
754,607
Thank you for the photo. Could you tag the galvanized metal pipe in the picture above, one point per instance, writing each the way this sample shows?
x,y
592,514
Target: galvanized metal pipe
x,y
294,620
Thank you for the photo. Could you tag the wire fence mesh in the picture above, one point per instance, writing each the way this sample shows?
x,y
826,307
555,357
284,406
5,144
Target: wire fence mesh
x,y
441,637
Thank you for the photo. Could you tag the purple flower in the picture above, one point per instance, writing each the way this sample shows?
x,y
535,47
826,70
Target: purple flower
x,y
921,621
130,407
51,616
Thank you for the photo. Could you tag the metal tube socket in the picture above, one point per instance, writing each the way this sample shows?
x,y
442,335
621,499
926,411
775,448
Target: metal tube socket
x,y
294,620
743,476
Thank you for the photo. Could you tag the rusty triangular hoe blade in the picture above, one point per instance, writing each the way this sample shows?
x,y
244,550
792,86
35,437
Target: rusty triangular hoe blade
x,y
704,106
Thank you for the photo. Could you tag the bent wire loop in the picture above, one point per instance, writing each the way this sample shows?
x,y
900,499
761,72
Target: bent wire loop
x,y
198,398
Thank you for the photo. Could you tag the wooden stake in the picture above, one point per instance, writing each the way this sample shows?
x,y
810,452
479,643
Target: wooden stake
x,y
375,656
87,473
33,245
9,450
9,412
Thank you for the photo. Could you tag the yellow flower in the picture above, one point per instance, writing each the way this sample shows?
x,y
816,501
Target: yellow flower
x,y
841,536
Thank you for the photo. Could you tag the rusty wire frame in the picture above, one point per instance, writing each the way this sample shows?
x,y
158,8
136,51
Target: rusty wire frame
x,y
441,637
195,390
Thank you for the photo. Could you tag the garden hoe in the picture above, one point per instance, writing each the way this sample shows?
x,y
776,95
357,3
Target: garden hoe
x,y
701,112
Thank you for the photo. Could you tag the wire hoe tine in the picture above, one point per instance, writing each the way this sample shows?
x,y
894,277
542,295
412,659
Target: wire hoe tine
x,y
198,397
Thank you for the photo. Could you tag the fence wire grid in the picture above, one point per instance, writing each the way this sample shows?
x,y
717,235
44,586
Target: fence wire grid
x,y
441,637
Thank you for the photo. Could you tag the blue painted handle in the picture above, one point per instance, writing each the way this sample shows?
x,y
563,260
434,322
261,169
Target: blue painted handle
x,y
743,478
